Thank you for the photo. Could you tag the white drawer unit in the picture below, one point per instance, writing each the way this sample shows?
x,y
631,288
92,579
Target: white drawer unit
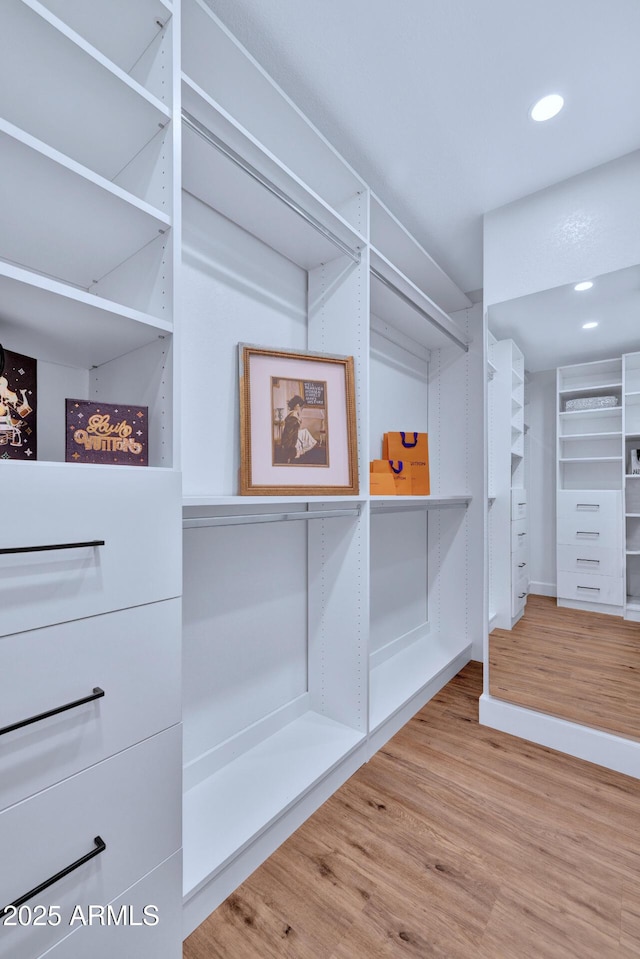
x,y
589,518
86,840
591,588
73,694
101,539
589,559
143,923
518,504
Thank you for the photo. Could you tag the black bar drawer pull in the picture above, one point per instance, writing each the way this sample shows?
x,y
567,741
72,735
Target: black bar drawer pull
x,y
593,589
42,549
520,565
522,595
586,532
97,694
100,847
579,560
593,506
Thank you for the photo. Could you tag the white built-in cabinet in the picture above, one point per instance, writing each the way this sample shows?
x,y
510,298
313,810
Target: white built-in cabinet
x,y
90,556
590,527
153,172
508,526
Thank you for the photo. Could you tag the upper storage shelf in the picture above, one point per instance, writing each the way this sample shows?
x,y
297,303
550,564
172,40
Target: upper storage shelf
x,y
127,33
396,300
391,238
44,67
222,70
81,226
226,168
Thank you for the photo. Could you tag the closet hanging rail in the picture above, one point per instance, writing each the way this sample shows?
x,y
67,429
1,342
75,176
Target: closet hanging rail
x,y
461,503
209,137
244,519
418,309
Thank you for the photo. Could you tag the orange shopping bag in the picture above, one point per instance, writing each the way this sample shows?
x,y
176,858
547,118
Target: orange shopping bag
x,y
399,472
413,450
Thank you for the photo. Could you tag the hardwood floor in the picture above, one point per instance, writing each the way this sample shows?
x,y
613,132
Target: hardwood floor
x,y
571,663
454,842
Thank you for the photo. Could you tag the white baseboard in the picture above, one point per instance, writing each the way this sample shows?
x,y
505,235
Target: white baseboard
x,y
583,742
543,589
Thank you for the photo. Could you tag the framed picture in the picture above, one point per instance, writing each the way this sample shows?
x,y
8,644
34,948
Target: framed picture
x,y
297,423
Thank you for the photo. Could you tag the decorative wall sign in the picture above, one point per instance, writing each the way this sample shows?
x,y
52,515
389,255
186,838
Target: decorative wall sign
x,y
109,433
297,423
18,406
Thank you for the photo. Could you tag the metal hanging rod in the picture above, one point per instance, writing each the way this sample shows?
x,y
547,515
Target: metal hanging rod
x,y
260,178
418,309
416,508
244,519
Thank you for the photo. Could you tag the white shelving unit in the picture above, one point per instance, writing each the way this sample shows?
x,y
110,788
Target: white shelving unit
x,y
284,246
507,521
87,251
631,483
166,201
589,457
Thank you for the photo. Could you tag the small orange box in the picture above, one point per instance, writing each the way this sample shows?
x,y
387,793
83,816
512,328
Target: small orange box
x,y
399,472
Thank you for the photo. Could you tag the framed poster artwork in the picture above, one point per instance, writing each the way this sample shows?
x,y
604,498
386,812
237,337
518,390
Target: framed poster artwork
x,y
297,423
18,406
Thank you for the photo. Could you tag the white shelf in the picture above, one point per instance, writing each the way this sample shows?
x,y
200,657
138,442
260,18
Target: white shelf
x,y
631,476
44,67
225,812
397,679
633,552
588,436
61,324
590,459
392,239
225,186
600,411
633,393
632,515
144,21
205,500
81,226
633,602
396,300
591,390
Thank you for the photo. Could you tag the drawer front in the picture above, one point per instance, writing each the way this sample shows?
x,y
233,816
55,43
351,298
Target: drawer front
x,y
591,518
133,656
519,540
518,504
518,597
590,559
142,932
131,802
135,511
520,570
590,588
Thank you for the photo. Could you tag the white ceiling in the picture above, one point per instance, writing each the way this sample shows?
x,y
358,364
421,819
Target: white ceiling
x,y
535,321
428,99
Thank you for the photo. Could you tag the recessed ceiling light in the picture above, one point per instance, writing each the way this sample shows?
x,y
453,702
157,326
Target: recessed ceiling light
x,y
547,107
585,285
589,326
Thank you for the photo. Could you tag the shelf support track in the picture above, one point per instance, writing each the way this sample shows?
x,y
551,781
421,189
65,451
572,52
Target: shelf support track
x,y
418,309
244,519
209,137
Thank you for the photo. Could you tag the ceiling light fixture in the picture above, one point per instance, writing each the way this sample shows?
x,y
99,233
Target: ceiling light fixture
x,y
585,285
547,107
589,326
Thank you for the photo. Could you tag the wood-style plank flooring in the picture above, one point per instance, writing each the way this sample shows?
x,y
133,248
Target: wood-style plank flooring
x,y
454,842
571,663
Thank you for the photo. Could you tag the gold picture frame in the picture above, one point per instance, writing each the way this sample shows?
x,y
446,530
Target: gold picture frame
x,y
298,434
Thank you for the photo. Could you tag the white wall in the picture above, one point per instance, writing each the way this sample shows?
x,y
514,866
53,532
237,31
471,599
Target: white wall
x,y
585,226
541,480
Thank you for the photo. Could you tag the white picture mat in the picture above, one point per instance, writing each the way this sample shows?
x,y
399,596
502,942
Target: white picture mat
x,y
263,472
